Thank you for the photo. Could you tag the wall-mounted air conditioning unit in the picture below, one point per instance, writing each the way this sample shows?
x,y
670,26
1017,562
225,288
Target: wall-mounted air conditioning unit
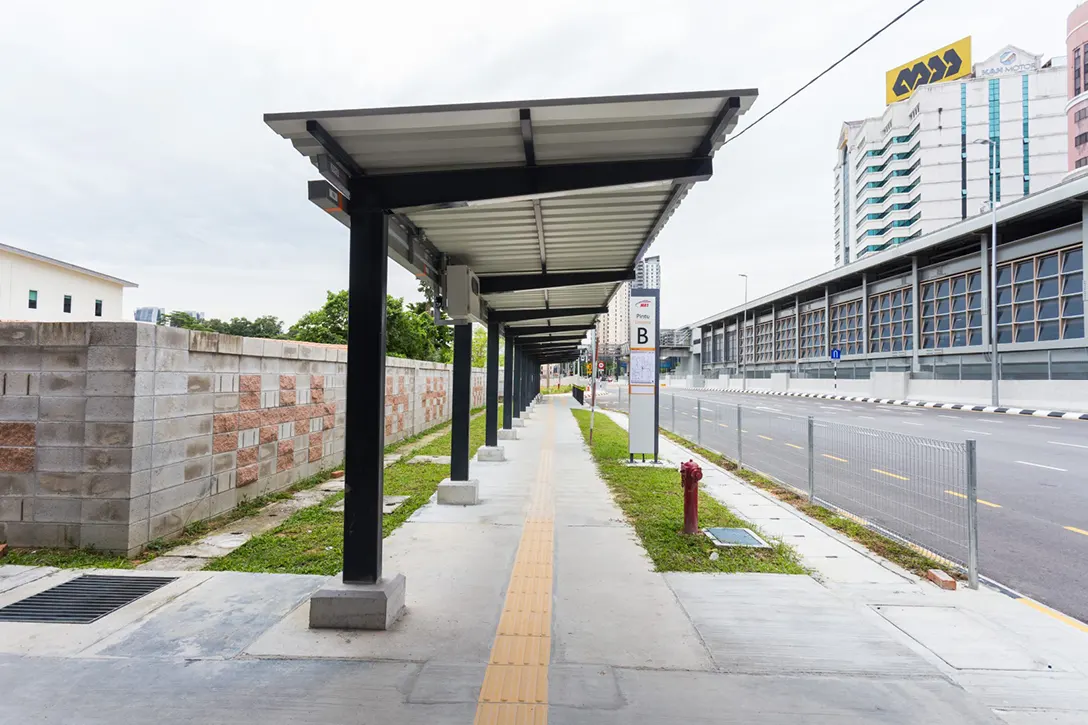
x,y
463,294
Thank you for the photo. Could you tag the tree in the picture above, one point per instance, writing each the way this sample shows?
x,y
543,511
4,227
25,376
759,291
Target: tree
x,y
178,318
410,331
267,326
328,325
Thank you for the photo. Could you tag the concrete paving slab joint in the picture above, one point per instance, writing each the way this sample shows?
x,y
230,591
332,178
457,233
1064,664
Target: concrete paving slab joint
x,y
508,434
459,493
493,454
339,605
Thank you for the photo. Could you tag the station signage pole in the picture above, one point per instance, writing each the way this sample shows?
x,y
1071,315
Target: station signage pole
x,y
642,373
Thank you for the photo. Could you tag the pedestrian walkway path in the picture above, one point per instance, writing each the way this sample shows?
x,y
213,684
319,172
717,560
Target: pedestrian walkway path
x,y
540,606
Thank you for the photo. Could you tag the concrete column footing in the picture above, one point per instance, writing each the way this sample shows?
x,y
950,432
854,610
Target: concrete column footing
x,y
508,434
340,605
518,423
492,454
459,493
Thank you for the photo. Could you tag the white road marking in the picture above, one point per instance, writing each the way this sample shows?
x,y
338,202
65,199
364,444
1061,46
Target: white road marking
x,y
867,417
979,432
907,422
987,420
1071,445
1040,465
776,410
1051,427
953,417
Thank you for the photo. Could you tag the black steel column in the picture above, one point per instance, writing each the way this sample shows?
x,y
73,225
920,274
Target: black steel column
x,y
491,415
515,400
508,385
364,427
462,401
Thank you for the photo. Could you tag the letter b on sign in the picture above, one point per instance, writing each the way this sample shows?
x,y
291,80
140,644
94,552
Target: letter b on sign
x,y
643,336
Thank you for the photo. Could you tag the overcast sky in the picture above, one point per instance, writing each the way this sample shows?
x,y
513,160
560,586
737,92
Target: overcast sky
x,y
134,140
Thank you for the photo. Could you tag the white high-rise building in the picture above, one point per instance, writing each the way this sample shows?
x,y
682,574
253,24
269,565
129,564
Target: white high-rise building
x,y
612,327
648,274
917,167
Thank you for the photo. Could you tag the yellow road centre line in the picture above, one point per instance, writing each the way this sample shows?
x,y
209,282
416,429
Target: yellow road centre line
x,y
515,686
981,501
1057,615
791,445
886,473
766,438
835,458
723,425
1075,530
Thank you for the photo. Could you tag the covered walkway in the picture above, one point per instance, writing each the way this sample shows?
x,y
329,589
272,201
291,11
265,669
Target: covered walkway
x,y
536,606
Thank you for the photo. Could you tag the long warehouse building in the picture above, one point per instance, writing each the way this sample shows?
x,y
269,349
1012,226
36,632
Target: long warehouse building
x,y
923,308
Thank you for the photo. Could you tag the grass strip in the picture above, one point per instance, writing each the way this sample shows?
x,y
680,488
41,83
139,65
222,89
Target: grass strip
x,y
408,440
653,502
555,390
312,540
892,550
91,559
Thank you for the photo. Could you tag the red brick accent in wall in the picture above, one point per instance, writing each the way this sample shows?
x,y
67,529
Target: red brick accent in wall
x,y
16,460
302,426
268,434
247,456
285,462
287,397
315,453
249,419
286,447
317,395
317,381
287,382
249,383
225,422
247,475
224,442
249,401
315,440
17,434
330,422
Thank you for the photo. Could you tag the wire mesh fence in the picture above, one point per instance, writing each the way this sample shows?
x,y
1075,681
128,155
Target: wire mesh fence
x,y
920,491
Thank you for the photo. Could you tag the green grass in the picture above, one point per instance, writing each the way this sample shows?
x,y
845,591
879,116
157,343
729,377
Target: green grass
x,y
555,389
394,447
312,540
653,502
68,559
91,559
910,559
476,432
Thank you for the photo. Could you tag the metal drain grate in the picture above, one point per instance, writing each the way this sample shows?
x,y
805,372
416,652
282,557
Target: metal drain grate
x,y
82,600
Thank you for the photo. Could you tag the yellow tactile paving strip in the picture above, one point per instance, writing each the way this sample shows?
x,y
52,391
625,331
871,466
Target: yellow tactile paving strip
x,y
515,686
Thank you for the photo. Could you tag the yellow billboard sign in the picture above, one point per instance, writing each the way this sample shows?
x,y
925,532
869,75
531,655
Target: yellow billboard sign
x,y
946,64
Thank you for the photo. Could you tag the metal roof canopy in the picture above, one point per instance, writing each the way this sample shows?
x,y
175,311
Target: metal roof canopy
x,y
550,202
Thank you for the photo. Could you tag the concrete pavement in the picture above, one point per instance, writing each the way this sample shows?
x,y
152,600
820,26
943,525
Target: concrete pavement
x,y
613,642
1034,535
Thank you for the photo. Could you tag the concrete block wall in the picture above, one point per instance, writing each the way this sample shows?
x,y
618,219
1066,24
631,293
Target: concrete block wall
x,y
116,434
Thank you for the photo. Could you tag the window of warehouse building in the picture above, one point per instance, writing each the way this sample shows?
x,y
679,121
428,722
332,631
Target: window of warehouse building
x,y
952,311
812,334
784,338
749,342
891,321
1041,297
765,342
846,334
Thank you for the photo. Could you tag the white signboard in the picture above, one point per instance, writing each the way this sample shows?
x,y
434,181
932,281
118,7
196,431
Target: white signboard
x,y
643,372
1010,60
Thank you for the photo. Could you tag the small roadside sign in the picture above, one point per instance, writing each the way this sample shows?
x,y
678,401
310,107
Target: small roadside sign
x,y
600,364
836,354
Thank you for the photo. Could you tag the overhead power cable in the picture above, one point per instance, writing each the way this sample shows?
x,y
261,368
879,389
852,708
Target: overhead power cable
x,y
827,70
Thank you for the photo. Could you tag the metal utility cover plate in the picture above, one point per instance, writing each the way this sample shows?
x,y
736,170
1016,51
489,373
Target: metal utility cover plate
x,y
735,537
82,600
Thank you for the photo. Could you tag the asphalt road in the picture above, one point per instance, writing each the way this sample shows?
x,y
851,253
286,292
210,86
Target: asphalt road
x,y
1032,476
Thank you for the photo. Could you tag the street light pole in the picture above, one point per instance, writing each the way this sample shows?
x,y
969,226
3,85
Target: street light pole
x,y
744,339
994,369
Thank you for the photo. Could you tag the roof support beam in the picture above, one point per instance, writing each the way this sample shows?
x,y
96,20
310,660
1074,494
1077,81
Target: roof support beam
x,y
459,187
520,282
543,330
542,314
525,115
334,149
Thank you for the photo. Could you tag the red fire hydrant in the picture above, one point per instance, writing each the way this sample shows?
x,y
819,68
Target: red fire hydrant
x,y
690,475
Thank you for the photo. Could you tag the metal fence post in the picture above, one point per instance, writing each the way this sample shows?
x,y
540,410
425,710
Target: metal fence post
x,y
740,455
811,462
699,421
972,516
